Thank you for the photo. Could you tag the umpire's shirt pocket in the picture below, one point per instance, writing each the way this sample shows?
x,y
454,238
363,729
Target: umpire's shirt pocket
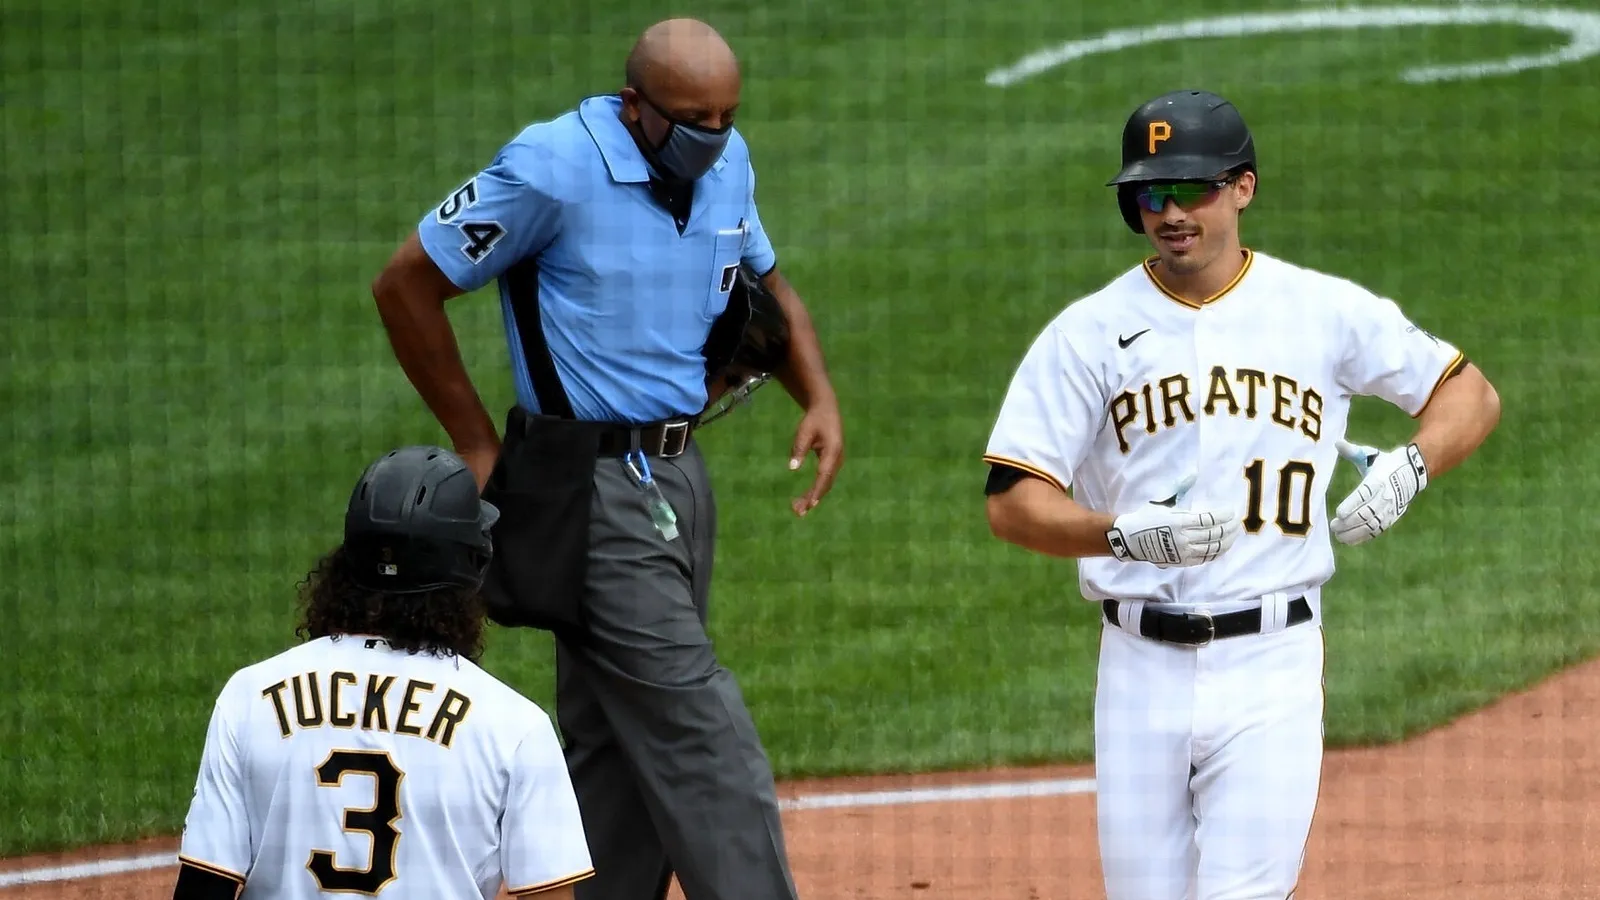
x,y
726,253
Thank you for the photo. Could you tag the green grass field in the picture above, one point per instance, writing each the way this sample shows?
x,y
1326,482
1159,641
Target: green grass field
x,y
194,373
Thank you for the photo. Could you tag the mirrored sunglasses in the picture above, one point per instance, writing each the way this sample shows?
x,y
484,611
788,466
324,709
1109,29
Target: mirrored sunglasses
x,y
1187,194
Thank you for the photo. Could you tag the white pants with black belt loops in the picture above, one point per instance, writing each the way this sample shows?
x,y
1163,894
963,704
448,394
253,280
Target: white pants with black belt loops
x,y
1207,761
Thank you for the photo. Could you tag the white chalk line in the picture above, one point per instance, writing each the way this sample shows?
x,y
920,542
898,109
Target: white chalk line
x,y
1001,790
1582,28
97,869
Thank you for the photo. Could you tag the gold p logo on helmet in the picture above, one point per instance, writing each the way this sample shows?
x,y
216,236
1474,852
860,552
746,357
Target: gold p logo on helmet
x,y
1158,132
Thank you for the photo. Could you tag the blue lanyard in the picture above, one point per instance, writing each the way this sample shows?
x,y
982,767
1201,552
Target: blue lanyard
x,y
641,464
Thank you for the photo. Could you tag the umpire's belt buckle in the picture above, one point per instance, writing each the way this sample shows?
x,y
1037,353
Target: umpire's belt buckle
x,y
674,438
1195,621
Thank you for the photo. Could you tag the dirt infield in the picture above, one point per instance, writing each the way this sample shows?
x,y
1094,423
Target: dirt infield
x,y
1503,804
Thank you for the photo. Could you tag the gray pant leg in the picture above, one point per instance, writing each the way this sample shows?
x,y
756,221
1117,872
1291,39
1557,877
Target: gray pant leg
x,y
676,713
613,810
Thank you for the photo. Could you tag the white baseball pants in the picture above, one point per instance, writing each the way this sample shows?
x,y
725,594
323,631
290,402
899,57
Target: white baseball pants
x,y
1207,763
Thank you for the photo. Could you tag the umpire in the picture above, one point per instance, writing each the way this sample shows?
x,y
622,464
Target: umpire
x,y
618,232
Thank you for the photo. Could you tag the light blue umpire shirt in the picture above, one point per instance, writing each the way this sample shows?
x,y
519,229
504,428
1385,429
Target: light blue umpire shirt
x,y
625,302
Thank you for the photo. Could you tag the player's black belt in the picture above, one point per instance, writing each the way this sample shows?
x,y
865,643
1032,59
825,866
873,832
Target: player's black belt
x,y
668,439
1199,629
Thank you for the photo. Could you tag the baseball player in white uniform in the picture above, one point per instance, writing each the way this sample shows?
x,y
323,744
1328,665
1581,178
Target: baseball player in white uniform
x,y
1176,432
377,759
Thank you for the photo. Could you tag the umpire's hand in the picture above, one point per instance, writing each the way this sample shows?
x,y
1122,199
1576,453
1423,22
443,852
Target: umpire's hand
x,y
822,431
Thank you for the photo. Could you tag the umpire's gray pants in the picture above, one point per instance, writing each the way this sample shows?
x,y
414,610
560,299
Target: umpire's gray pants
x,y
669,773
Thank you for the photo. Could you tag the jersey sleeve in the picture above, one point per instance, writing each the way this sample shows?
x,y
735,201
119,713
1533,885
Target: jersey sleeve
x,y
542,841
758,250
1050,413
216,832
1386,355
505,212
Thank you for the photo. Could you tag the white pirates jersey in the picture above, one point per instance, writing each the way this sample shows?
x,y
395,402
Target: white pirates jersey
x,y
1130,389
348,767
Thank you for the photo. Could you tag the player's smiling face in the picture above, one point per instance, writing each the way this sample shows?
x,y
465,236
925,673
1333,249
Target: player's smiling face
x,y
1191,232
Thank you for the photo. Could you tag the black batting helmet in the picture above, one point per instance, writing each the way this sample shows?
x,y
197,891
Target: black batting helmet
x,y
416,523
1180,136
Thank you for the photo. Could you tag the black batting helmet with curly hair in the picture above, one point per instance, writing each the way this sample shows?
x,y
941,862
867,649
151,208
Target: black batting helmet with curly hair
x,y
416,545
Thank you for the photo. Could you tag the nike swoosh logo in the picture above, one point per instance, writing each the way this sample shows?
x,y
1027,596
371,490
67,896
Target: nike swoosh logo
x,y
1125,342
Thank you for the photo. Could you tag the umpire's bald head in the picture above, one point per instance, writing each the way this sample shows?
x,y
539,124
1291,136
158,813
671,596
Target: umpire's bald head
x,y
680,53
679,71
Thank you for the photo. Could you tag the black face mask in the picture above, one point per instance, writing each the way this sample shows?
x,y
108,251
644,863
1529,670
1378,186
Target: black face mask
x,y
688,151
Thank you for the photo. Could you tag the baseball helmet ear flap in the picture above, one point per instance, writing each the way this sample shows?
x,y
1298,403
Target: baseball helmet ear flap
x,y
1129,207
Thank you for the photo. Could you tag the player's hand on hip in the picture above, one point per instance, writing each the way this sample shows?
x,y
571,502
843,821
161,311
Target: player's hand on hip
x,y
1390,481
1168,534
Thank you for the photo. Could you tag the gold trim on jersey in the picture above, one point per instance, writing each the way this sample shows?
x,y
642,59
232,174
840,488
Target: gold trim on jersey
x,y
1457,363
1150,272
211,867
550,885
1026,467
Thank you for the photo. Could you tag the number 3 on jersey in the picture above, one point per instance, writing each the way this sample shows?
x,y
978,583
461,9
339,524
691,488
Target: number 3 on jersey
x,y
481,235
377,821
1296,473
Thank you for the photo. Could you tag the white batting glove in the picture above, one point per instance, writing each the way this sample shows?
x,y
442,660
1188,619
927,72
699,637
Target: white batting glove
x,y
1166,534
1390,481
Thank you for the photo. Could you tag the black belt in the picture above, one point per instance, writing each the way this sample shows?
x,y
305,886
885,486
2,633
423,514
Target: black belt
x,y
1199,629
667,439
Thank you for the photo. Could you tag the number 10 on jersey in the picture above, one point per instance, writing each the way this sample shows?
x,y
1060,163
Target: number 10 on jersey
x,y
1292,482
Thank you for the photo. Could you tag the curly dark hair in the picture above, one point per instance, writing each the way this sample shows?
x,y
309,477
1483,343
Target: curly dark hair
x,y
441,622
